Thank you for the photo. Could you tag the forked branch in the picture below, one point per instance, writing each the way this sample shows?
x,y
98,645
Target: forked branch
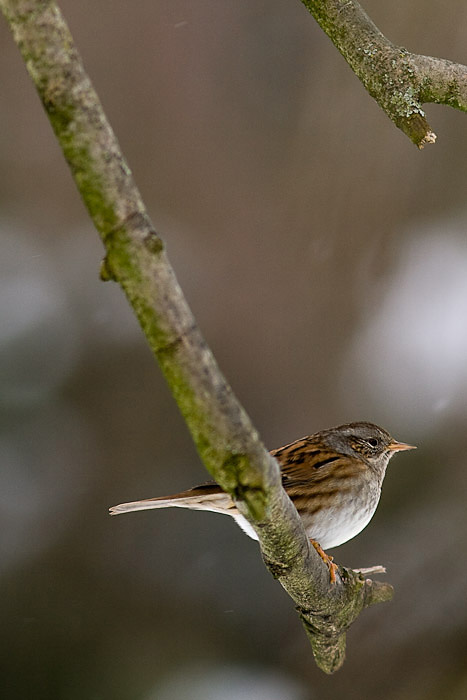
x,y
400,81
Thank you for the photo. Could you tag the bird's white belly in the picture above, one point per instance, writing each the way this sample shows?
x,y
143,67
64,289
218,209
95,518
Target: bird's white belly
x,y
340,529
330,530
332,527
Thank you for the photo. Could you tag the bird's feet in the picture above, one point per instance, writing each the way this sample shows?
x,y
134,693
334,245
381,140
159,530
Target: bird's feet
x,y
333,568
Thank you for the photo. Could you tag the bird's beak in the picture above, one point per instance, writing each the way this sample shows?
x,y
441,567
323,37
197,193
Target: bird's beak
x,y
400,446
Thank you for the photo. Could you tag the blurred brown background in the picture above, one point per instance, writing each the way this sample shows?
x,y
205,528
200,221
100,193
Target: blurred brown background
x,y
326,261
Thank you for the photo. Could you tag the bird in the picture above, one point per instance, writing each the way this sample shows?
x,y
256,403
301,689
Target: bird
x,y
333,478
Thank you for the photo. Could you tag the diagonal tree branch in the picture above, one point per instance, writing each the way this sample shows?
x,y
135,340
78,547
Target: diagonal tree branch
x,y
135,257
400,81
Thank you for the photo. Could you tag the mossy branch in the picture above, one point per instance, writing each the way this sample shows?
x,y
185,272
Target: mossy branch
x,y
400,81
135,257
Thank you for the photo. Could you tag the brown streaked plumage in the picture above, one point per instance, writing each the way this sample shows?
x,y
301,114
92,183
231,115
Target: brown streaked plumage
x,y
333,477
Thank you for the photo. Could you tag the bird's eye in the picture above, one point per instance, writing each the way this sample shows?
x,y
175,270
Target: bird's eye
x,y
373,442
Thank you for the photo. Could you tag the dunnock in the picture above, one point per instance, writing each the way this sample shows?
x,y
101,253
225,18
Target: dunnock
x,y
333,478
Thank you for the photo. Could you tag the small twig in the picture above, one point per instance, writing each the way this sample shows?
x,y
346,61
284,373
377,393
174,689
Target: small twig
x,y
370,570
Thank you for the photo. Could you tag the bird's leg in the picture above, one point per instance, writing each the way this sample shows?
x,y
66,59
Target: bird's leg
x,y
333,568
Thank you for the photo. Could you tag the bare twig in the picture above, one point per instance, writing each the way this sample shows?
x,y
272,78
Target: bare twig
x,y
367,570
400,81
135,258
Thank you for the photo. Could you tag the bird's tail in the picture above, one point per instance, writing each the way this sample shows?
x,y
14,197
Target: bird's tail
x,y
208,497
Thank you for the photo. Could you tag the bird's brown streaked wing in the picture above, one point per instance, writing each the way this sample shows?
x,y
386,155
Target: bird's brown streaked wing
x,y
305,461
312,489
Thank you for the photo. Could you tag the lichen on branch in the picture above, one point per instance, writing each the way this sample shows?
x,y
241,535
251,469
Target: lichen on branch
x,y
400,81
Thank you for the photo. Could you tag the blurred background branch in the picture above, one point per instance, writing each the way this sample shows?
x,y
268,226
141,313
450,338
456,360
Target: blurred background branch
x,y
399,81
